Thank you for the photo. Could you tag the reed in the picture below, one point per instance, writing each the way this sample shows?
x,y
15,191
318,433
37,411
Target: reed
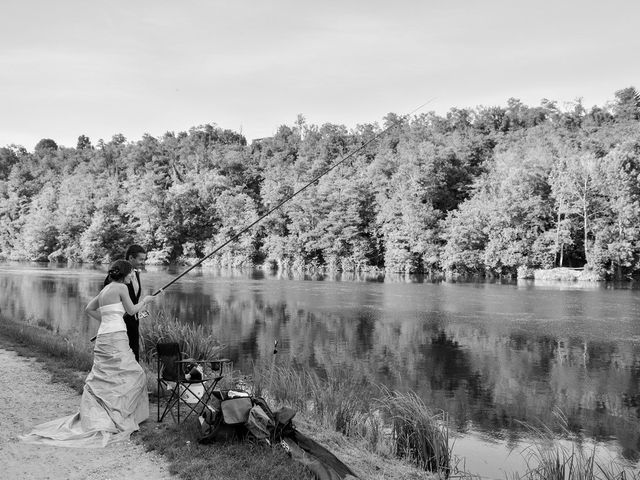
x,y
389,422
339,401
197,341
548,459
418,433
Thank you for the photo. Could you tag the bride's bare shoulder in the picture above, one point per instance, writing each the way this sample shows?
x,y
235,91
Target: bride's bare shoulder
x,y
112,287
111,293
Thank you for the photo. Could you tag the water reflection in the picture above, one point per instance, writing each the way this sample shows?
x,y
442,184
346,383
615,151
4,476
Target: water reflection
x,y
492,354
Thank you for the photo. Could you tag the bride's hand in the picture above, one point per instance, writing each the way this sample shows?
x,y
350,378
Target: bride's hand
x,y
148,299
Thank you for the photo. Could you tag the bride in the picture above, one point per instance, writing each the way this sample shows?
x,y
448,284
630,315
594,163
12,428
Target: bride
x,y
115,400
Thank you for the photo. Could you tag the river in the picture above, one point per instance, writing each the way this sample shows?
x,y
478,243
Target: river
x,y
491,354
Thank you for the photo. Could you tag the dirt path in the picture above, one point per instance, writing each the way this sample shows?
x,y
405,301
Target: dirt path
x,y
29,399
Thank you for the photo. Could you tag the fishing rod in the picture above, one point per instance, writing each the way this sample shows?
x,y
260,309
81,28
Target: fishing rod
x,y
289,197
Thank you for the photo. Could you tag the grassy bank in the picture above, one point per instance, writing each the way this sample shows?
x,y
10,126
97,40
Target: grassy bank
x,y
69,360
385,423
389,424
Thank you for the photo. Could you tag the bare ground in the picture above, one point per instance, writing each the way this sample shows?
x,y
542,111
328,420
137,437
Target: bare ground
x,y
27,398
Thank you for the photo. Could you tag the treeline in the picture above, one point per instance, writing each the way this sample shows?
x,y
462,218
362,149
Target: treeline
x,y
476,191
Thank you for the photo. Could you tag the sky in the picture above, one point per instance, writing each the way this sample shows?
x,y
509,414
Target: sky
x,y
135,67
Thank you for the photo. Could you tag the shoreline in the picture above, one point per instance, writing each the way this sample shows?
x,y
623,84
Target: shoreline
x,y
559,274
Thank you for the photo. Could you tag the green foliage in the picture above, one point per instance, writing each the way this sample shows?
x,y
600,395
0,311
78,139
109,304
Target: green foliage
x,y
9,156
44,145
39,229
476,191
83,142
627,106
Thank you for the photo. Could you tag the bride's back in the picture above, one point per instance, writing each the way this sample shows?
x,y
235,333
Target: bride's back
x,y
111,294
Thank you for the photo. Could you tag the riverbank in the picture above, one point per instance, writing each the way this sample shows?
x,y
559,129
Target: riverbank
x,y
181,455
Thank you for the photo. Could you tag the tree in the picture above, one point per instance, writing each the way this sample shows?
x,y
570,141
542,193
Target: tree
x,y
45,145
8,158
583,171
617,229
465,237
627,104
499,228
109,233
561,192
408,205
490,119
236,210
83,143
38,235
77,195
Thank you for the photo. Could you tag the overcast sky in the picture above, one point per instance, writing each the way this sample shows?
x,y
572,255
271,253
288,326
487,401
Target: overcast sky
x,y
73,67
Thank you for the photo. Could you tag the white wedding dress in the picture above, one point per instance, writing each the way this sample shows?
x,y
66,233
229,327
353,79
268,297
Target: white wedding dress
x,y
115,399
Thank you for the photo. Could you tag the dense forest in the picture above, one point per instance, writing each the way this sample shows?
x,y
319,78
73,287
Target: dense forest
x,y
489,191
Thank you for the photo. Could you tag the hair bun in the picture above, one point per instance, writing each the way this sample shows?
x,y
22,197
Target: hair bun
x,y
114,271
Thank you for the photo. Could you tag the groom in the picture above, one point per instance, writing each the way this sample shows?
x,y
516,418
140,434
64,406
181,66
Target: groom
x,y
136,255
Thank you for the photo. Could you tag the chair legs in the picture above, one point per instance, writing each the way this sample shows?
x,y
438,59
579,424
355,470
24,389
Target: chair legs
x,y
177,397
181,388
171,402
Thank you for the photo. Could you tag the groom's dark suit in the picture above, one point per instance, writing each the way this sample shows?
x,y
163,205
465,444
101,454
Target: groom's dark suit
x,y
131,321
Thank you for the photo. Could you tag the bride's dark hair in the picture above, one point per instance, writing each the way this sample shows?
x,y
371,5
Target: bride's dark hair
x,y
119,269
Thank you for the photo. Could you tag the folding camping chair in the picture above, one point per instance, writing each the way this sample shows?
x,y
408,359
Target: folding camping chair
x,y
171,364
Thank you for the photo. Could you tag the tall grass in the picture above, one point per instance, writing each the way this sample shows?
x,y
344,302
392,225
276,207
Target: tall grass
x,y
418,433
197,341
388,422
338,401
548,459
68,358
77,351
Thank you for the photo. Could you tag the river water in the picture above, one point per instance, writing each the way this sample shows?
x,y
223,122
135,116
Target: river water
x,y
491,354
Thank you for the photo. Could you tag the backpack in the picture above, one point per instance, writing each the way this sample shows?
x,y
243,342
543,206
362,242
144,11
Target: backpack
x,y
233,416
261,422
224,419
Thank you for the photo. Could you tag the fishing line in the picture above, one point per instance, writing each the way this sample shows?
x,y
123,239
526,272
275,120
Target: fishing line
x,y
294,194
